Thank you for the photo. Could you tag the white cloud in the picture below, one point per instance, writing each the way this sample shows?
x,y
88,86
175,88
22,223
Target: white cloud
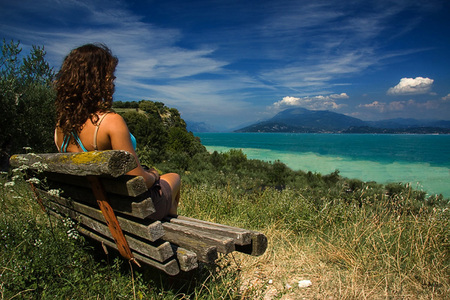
x,y
315,103
376,105
393,106
411,86
446,98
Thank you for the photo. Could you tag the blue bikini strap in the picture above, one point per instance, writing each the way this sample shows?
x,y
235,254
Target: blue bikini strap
x,y
77,139
64,144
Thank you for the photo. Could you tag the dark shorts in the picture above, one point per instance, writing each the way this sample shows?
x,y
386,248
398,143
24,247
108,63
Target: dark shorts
x,y
162,201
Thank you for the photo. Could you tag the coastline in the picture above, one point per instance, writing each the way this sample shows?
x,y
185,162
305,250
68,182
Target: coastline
x,y
414,162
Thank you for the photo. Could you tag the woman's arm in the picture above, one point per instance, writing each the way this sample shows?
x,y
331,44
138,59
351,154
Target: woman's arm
x,y
120,139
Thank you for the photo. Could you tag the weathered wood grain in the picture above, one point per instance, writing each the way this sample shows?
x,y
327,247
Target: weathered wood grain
x,y
170,266
150,230
246,241
97,163
223,244
158,251
186,259
139,207
257,247
240,236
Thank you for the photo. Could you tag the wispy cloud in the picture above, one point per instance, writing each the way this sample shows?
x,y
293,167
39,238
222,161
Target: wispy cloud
x,y
252,54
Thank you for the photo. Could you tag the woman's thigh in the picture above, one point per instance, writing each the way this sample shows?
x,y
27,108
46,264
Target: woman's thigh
x,y
174,180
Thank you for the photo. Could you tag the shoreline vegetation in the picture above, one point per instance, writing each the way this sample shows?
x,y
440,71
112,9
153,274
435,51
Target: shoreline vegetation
x,y
351,239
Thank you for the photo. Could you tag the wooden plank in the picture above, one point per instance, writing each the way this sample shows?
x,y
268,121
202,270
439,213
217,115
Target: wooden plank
x,y
125,185
240,236
186,259
105,163
205,252
251,242
152,231
223,244
159,252
257,247
171,266
140,207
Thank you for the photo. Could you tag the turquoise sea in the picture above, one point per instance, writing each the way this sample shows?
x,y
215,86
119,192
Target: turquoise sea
x,y
421,160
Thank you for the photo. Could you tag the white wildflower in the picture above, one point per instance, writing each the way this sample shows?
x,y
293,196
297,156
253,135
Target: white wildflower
x,y
3,173
22,159
39,166
54,192
9,184
15,177
26,148
20,168
304,283
73,234
34,180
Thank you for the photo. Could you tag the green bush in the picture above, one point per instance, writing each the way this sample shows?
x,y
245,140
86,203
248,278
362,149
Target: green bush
x,y
26,101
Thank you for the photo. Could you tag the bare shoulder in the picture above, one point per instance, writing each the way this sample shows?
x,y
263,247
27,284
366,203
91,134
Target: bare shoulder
x,y
114,119
114,116
114,124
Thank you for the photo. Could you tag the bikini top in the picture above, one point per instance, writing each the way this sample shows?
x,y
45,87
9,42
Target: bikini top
x,y
66,139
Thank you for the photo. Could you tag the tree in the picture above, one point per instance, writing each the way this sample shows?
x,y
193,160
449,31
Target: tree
x,y
26,101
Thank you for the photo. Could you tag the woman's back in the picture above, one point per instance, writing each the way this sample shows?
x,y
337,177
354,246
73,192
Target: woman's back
x,y
96,136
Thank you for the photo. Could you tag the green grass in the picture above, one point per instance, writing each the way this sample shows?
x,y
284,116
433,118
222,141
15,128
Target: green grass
x,y
41,257
373,242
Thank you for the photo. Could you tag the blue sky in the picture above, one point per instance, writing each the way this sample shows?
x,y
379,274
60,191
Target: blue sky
x,y
230,62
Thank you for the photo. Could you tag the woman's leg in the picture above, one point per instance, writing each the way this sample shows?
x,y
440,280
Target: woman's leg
x,y
174,182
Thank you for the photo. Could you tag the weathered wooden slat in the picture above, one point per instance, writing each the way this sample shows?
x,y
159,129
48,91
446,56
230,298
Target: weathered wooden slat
x,y
159,252
186,259
125,185
205,252
98,163
257,247
240,236
247,241
171,266
223,244
151,232
139,207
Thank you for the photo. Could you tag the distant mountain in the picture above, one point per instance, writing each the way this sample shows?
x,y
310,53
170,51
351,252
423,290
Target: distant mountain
x,y
304,120
199,127
322,121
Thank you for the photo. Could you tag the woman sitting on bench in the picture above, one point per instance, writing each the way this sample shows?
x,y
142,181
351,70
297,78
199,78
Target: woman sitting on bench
x,y
85,87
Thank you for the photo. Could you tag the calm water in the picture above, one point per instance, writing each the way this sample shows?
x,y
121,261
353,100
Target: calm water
x,y
422,160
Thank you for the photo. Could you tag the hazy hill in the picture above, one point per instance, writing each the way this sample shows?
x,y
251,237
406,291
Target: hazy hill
x,y
199,127
302,120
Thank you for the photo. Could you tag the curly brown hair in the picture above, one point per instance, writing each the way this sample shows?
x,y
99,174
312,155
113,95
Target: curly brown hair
x,y
84,86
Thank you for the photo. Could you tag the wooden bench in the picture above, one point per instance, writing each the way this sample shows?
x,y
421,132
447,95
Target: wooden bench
x,y
113,208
